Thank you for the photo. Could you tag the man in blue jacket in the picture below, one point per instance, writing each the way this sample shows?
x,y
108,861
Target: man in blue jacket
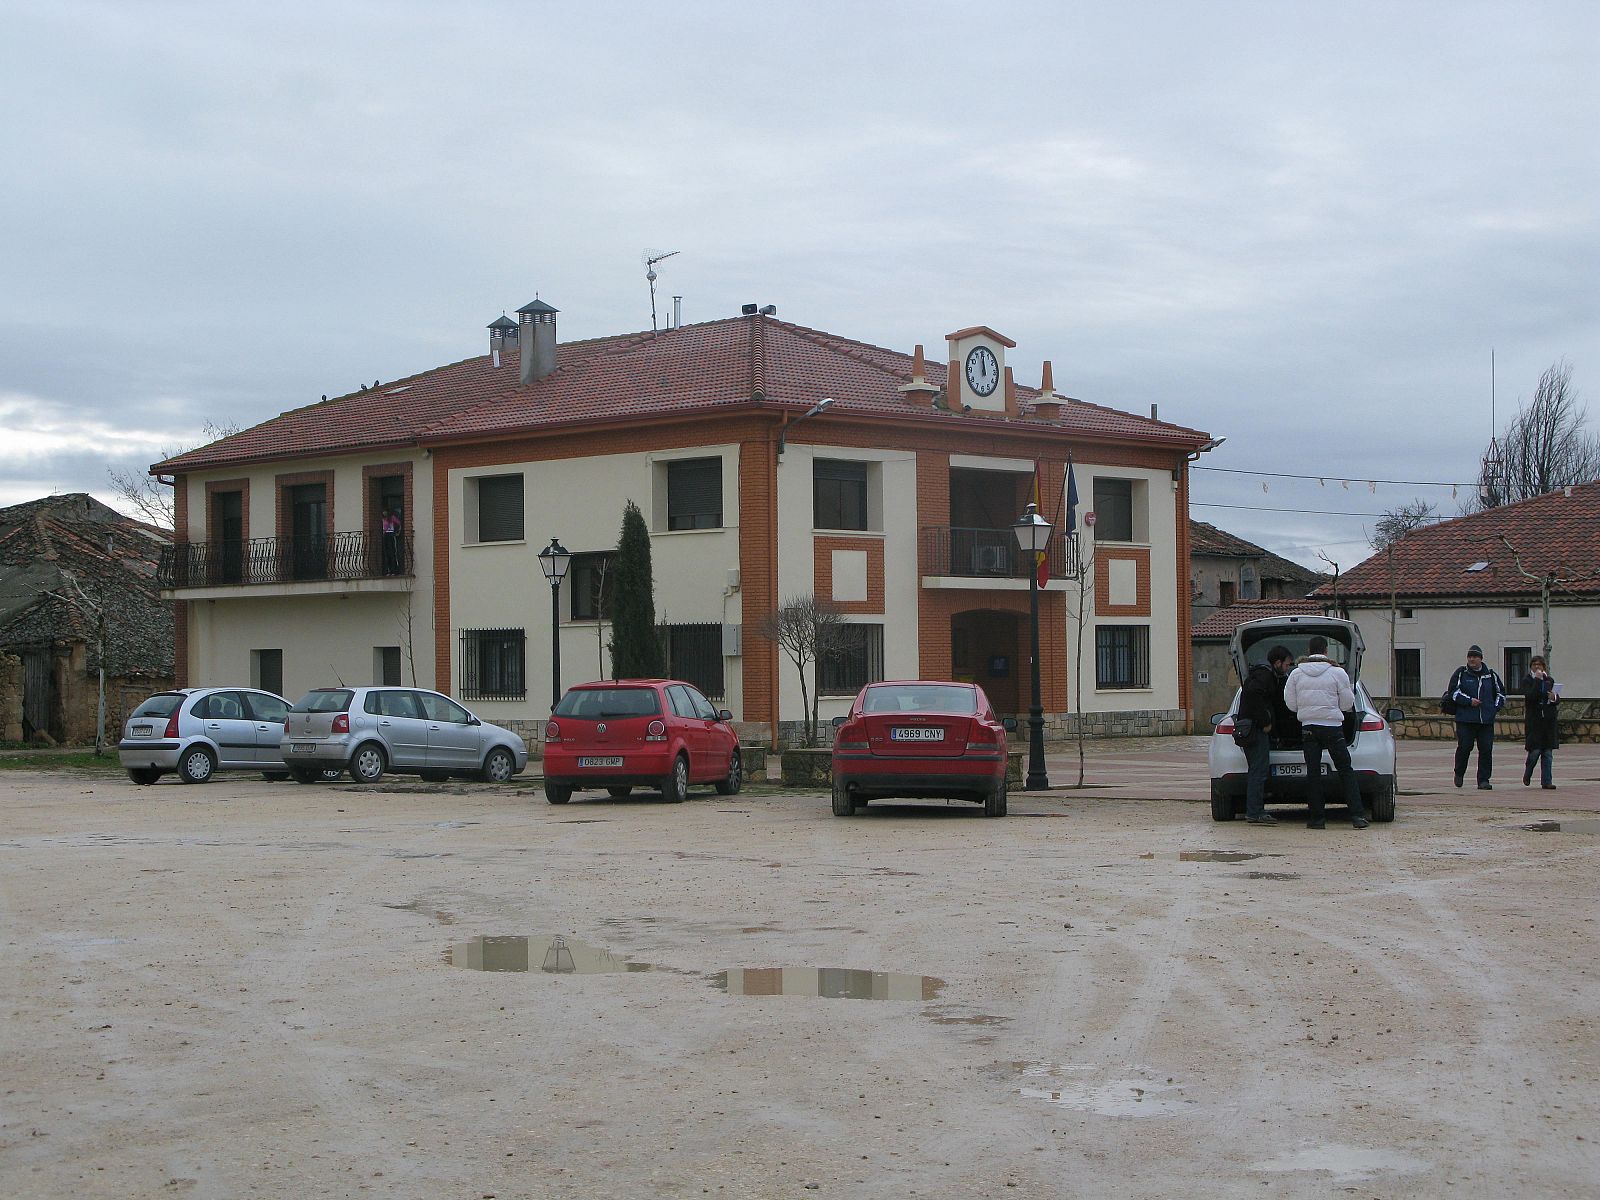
x,y
1478,694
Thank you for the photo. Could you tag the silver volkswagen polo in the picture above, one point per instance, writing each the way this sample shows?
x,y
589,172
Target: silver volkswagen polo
x,y
370,730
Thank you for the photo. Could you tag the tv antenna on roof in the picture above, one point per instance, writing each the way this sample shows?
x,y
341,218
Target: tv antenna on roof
x,y
651,258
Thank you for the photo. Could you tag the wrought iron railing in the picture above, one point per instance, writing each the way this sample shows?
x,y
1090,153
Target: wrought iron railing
x,y
285,560
991,553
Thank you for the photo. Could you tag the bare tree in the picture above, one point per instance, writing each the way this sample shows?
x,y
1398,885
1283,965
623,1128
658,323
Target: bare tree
x,y
406,621
1338,607
1547,581
1397,522
1084,567
147,496
1544,447
809,631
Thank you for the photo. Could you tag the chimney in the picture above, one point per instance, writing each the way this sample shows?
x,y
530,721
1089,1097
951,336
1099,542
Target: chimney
x,y
1048,406
536,336
502,336
919,390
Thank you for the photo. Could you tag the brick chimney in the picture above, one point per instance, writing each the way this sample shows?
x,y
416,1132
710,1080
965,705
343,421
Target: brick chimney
x,y
536,336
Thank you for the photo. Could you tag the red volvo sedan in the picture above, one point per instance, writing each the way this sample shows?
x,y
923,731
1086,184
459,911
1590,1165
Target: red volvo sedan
x,y
920,738
625,733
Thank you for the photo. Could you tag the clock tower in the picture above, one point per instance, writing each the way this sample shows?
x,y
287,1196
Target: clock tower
x,y
977,369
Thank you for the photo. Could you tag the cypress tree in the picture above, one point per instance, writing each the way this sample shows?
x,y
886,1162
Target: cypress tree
x,y
635,652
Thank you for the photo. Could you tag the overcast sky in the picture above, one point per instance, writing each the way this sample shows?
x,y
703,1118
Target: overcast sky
x,y
1302,226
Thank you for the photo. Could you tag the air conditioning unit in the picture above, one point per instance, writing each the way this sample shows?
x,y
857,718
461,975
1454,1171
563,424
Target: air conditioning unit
x,y
989,560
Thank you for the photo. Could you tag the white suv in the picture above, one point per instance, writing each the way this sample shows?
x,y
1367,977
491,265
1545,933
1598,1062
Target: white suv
x,y
1372,750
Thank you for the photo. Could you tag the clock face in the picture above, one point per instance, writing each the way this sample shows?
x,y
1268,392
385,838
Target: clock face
x,y
983,372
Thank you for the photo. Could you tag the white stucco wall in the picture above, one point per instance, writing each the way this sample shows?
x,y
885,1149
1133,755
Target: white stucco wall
x,y
581,501
892,516
1443,635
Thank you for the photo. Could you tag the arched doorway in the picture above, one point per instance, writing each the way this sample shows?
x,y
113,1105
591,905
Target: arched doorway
x,y
989,647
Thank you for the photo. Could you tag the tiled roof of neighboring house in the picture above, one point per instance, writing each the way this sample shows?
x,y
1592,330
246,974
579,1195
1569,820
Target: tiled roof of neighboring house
x,y
1556,532
62,557
1224,621
1207,541
707,368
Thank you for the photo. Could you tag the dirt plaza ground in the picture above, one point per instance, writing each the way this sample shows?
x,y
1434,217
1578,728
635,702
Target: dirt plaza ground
x,y
254,989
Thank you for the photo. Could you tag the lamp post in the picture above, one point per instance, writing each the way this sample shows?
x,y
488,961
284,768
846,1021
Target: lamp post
x,y
553,561
1033,536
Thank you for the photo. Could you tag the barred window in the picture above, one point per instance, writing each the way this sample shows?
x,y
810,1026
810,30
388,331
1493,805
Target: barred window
x,y
694,655
1408,671
494,664
858,662
1122,656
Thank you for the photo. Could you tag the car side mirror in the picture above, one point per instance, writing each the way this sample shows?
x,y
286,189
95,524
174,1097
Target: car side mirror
x,y
1218,719
724,714
1010,724
1394,714
471,720
837,721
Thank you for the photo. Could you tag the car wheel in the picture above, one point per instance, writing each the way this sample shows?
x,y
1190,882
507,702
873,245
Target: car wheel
x,y
499,766
144,776
844,804
735,779
994,803
619,793
1221,803
367,764
558,793
274,776
1382,801
675,787
197,765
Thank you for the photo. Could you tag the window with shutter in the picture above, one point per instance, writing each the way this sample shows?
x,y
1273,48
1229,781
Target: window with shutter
x,y
499,508
694,494
839,494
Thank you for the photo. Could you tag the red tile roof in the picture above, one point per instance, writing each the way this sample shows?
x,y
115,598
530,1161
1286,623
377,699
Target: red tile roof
x,y
1224,621
1556,532
712,367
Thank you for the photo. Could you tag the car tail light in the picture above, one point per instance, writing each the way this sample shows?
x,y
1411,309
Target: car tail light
x,y
852,735
1225,725
341,723
656,731
552,732
1372,721
982,737
171,730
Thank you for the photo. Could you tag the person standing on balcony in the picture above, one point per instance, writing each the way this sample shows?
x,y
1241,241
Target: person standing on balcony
x,y
1541,694
391,542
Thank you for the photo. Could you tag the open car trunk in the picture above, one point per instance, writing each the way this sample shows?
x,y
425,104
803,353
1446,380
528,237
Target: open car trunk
x,y
1254,640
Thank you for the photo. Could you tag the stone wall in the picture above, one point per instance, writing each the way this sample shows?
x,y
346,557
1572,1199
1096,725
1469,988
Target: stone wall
x,y
1579,720
10,697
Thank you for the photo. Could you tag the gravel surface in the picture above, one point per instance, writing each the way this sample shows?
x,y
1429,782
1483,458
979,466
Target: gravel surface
x,y
254,989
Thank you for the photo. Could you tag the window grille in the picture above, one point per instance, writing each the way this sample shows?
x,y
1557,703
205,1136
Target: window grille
x,y
494,664
1122,656
858,662
693,654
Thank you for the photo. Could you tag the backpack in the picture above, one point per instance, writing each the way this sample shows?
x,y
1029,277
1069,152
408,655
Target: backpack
x,y
1447,702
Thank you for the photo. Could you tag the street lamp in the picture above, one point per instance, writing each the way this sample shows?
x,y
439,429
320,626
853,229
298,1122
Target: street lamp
x,y
553,561
1033,535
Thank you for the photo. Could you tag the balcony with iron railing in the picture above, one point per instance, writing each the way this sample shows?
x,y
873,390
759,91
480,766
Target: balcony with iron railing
x,y
990,556
336,558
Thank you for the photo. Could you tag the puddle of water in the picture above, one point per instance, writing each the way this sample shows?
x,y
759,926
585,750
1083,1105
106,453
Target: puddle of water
x,y
1223,856
1347,1164
421,909
1279,875
979,1019
1587,825
553,954
1083,1090
828,983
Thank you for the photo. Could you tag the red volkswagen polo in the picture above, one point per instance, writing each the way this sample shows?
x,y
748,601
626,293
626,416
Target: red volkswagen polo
x,y
917,739
625,733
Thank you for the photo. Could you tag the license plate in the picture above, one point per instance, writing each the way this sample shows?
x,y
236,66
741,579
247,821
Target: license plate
x,y
1296,770
302,747
142,730
916,734
614,761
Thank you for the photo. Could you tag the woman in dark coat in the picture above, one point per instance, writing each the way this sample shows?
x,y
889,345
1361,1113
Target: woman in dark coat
x,y
1540,695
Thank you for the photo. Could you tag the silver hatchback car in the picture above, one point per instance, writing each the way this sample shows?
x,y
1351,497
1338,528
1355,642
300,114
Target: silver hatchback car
x,y
197,732
370,730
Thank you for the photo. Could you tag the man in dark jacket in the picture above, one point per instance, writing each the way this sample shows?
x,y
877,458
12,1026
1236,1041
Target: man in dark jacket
x,y
1478,694
1260,700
